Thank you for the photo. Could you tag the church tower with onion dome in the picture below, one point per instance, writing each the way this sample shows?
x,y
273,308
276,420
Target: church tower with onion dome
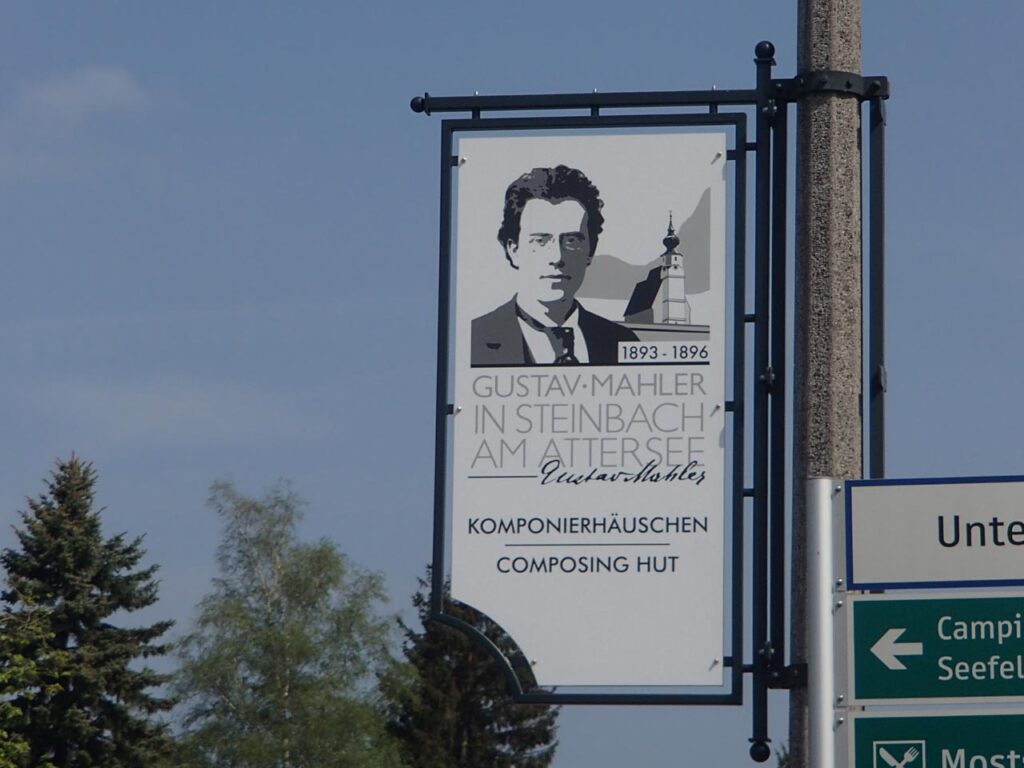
x,y
670,305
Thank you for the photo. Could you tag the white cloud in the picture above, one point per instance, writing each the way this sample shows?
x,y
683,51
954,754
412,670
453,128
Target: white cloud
x,y
41,133
85,92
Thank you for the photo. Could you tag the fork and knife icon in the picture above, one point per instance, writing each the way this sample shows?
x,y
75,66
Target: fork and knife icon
x,y
892,762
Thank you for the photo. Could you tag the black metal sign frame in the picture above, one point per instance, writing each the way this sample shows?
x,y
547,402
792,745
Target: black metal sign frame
x,y
518,668
765,484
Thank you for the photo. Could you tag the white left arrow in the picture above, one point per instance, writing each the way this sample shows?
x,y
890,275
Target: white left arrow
x,y
888,650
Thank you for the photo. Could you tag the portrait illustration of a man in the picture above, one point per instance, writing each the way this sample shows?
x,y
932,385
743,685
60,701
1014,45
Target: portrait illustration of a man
x,y
552,219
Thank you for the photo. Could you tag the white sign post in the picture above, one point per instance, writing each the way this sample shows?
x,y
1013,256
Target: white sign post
x,y
588,465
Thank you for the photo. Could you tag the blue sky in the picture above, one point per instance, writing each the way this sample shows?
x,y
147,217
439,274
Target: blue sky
x,y
218,257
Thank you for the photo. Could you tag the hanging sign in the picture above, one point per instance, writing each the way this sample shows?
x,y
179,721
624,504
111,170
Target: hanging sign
x,y
587,468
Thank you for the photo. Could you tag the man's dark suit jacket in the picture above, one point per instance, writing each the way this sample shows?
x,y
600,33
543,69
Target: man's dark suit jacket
x,y
497,338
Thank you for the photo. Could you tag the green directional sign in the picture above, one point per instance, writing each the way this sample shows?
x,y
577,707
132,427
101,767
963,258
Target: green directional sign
x,y
948,647
939,741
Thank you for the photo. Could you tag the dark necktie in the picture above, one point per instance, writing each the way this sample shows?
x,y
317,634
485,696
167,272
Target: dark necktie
x,y
563,341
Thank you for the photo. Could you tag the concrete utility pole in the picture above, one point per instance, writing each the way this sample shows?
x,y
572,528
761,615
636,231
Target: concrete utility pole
x,y
827,379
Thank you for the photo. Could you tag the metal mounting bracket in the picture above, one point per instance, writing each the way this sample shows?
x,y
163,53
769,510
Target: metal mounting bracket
x,y
882,379
788,678
832,81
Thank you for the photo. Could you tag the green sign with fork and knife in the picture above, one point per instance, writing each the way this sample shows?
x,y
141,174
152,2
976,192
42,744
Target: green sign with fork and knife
x,y
977,740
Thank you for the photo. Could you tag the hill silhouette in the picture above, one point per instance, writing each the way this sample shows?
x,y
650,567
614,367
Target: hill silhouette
x,y
611,277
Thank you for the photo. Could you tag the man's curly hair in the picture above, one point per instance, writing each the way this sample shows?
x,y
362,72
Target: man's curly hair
x,y
554,185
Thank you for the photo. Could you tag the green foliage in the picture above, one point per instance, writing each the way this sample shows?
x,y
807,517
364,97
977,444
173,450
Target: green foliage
x,y
88,703
17,681
278,671
455,710
21,636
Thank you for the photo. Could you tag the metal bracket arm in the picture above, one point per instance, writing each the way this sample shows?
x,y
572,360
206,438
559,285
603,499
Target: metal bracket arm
x,y
427,104
788,678
832,81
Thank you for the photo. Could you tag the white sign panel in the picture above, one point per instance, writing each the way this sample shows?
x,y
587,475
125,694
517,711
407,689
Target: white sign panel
x,y
588,472
935,533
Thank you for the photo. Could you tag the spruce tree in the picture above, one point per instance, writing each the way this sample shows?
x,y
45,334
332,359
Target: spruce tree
x,y
93,704
456,711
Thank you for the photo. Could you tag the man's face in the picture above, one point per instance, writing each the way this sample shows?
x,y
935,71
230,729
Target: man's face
x,y
553,251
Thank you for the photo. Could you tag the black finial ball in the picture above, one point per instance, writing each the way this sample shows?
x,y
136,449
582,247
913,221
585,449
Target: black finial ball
x,y
759,751
417,104
764,50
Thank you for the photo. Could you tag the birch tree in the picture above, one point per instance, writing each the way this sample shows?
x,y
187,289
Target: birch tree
x,y
279,669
